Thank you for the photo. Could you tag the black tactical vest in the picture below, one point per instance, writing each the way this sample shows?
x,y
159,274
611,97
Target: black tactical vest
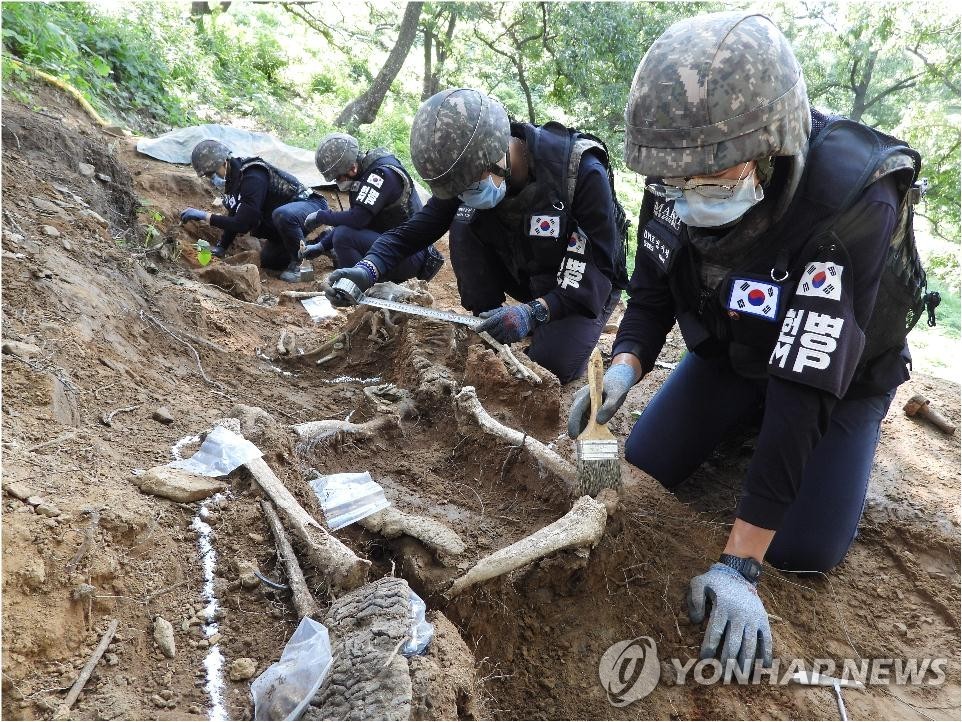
x,y
283,188
513,227
406,205
844,158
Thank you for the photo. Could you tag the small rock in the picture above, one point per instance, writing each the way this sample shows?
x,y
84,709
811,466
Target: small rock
x,y
18,348
66,244
104,177
178,485
164,636
43,273
158,700
241,669
95,216
184,625
14,238
86,170
48,510
112,660
167,694
901,627
193,709
45,205
162,414
214,638
35,500
256,538
19,490
51,231
52,523
202,644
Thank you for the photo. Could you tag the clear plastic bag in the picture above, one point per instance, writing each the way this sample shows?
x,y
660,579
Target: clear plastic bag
x,y
221,453
422,631
283,691
346,498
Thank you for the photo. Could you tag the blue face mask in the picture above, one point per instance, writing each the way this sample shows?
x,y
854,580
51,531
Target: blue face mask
x,y
488,195
701,212
217,181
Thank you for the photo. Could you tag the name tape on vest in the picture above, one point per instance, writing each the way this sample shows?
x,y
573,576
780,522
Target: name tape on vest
x,y
368,196
822,280
755,298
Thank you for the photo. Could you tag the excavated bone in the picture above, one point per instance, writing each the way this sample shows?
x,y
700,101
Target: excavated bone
x,y
313,432
412,291
468,408
392,523
331,559
580,528
517,369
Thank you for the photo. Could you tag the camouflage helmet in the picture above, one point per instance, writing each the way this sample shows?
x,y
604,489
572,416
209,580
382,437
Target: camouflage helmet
x,y
336,154
456,135
714,91
208,156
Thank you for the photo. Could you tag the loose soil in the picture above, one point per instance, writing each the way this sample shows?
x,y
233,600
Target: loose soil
x,y
125,330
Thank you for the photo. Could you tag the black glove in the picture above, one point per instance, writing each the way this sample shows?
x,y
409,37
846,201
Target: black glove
x,y
358,276
219,251
508,323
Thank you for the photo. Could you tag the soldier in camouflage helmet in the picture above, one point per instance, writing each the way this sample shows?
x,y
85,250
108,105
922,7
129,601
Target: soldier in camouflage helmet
x,y
336,156
530,212
382,196
763,233
260,199
208,157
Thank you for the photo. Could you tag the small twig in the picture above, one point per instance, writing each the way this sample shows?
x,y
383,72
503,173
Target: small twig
x,y
107,419
90,536
88,669
144,315
153,596
51,442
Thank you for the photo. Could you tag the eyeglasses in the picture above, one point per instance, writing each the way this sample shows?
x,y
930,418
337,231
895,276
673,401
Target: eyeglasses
x,y
673,188
493,169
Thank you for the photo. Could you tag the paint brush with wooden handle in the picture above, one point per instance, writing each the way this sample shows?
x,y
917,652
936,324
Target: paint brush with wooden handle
x,y
599,462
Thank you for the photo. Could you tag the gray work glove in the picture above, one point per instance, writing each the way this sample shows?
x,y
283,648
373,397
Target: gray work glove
x,y
619,379
738,623
360,277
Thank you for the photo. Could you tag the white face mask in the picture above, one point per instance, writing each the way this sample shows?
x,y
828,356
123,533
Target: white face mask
x,y
701,212
345,185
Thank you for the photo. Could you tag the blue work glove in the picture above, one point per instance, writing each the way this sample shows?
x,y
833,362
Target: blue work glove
x,y
323,244
738,623
360,276
618,381
311,221
508,323
192,214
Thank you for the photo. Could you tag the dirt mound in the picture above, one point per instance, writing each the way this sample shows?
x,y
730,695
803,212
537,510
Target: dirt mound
x,y
111,328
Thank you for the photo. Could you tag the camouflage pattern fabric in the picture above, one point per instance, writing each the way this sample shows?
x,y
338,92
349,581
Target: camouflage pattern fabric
x,y
714,91
208,156
455,136
336,153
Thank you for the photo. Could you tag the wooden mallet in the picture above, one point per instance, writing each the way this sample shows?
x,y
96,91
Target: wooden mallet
x,y
918,407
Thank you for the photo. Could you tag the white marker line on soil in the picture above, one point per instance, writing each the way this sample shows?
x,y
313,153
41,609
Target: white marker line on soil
x,y
352,380
214,661
175,449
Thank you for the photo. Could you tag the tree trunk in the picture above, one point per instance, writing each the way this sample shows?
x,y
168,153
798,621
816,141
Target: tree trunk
x,y
363,109
427,89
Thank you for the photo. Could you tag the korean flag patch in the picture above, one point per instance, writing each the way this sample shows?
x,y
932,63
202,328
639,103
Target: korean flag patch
x,y
545,226
755,298
375,180
577,242
822,280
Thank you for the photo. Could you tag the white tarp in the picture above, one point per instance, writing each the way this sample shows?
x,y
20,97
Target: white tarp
x,y
175,147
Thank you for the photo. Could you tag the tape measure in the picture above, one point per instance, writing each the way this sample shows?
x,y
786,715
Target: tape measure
x,y
348,290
